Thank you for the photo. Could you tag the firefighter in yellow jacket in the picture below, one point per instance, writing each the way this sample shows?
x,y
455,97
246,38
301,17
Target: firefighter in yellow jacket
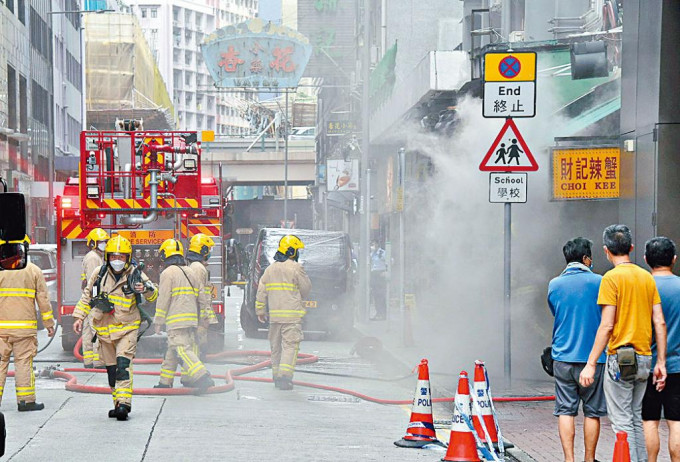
x,y
282,288
113,300
178,309
19,292
96,242
198,255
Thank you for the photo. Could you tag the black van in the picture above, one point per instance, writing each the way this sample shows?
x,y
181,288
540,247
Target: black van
x,y
327,259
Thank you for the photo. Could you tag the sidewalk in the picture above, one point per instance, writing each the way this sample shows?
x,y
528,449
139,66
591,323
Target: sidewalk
x,y
530,426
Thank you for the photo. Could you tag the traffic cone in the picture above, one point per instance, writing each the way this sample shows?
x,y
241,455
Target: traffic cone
x,y
484,402
462,445
420,430
621,448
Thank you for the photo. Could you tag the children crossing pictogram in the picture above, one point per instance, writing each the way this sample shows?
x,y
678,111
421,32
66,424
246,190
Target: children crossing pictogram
x,y
509,152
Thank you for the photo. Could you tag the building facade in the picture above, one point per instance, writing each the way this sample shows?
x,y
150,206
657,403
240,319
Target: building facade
x,y
68,85
26,104
175,30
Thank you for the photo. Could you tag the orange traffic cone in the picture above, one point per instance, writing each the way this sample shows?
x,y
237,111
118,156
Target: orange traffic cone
x,y
462,445
621,448
420,430
484,402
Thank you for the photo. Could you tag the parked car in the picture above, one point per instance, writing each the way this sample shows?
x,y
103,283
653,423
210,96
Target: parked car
x,y
327,259
44,256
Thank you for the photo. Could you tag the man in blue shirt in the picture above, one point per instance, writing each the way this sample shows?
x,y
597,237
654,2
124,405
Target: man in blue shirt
x,y
572,297
660,256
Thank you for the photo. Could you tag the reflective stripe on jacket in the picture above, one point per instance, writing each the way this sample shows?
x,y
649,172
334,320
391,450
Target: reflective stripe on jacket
x,y
205,297
178,298
91,261
19,292
282,288
125,315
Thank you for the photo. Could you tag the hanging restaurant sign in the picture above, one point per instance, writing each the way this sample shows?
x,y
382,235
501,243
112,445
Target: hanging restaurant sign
x,y
255,54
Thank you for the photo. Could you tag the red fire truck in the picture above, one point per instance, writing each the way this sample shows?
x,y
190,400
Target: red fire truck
x,y
146,186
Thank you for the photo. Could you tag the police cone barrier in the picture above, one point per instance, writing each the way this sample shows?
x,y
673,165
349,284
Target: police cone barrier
x,y
621,448
481,390
420,431
462,443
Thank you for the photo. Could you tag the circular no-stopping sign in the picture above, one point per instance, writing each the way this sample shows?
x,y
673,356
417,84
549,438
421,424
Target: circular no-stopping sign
x,y
509,67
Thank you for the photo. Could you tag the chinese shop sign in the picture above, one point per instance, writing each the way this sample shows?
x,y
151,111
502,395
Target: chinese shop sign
x,y
586,173
256,54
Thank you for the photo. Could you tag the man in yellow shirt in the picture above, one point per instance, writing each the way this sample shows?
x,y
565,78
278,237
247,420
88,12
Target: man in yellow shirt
x,y
630,306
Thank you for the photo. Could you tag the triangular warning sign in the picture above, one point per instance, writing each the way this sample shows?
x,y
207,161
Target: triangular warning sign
x,y
509,152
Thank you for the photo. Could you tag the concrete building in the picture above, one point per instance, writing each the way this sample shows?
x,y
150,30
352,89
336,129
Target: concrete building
x,y
68,85
123,80
26,104
183,25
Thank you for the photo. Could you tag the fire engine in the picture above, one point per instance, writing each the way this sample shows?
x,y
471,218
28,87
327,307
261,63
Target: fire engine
x,y
146,186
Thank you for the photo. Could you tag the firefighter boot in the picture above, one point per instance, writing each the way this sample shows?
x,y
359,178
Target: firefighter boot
x,y
203,383
277,382
120,412
285,383
161,385
24,406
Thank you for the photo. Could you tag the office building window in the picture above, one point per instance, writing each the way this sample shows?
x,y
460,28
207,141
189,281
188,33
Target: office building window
x,y
143,10
154,12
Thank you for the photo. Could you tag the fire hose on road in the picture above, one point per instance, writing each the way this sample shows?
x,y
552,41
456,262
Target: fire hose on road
x,y
239,373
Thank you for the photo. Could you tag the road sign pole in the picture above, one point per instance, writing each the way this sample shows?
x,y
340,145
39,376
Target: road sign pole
x,y
507,218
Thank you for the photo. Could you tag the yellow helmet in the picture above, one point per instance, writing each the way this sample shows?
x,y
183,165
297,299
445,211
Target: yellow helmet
x,y
96,235
169,248
118,244
289,245
201,244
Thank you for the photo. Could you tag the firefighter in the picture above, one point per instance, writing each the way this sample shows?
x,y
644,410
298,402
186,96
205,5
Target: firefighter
x,y
198,255
96,242
114,299
282,288
178,309
19,292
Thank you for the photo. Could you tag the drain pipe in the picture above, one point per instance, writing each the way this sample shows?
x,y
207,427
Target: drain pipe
x,y
153,216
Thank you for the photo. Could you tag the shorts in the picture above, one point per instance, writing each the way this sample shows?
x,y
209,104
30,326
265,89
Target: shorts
x,y
569,392
667,399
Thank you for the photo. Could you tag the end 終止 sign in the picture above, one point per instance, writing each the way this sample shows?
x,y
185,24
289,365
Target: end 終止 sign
x,y
509,84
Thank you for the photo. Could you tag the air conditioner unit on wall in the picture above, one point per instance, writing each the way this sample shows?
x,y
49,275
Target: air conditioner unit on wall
x,y
516,36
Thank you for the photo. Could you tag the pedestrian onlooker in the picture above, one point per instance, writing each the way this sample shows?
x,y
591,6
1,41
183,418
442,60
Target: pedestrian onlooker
x,y
378,282
630,305
572,298
660,256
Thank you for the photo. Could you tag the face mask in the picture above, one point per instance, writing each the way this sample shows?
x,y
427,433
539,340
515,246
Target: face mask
x,y
117,265
101,246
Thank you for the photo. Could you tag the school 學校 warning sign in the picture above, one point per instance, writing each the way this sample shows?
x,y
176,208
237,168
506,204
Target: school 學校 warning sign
x,y
509,152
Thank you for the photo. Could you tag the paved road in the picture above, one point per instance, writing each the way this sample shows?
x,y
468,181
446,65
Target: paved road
x,y
254,422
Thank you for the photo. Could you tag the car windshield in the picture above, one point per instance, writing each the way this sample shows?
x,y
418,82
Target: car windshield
x,y
40,259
